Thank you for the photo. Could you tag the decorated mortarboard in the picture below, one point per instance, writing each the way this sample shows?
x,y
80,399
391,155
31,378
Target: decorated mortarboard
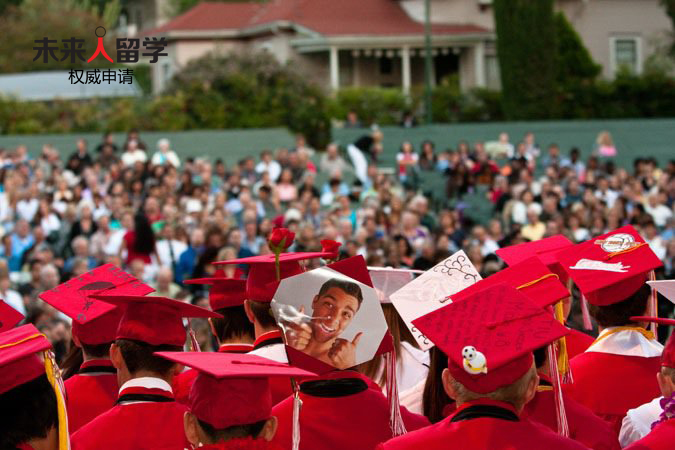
x,y
387,280
239,381
25,354
610,268
224,292
94,322
332,307
154,320
332,320
530,276
9,317
489,337
545,249
542,288
430,291
668,354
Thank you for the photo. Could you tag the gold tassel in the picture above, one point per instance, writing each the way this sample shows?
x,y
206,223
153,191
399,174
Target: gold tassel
x,y
563,357
54,376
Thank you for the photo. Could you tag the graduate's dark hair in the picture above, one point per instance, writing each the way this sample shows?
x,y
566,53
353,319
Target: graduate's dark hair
x,y
263,314
74,358
238,431
234,323
619,314
540,355
347,287
138,355
434,397
30,412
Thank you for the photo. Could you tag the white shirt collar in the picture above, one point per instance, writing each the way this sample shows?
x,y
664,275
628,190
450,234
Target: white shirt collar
x,y
147,382
627,343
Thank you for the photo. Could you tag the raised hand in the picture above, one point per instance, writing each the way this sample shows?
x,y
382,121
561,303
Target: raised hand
x,y
343,352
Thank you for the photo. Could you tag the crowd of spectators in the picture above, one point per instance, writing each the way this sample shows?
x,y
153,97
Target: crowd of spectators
x,y
166,220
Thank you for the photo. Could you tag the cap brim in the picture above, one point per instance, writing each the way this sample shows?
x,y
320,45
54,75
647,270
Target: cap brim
x,y
231,365
223,282
657,320
9,317
545,249
269,258
20,342
183,309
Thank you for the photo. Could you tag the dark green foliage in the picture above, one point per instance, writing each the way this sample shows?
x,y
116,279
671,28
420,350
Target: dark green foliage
x,y
574,63
526,49
383,106
252,91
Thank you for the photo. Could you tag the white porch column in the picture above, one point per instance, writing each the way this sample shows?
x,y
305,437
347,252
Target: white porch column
x,y
334,68
479,63
405,69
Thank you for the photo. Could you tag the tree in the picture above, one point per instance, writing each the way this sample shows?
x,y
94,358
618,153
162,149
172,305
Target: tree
x,y
56,20
574,63
526,50
252,90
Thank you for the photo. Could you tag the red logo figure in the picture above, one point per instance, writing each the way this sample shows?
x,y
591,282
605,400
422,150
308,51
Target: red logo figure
x,y
99,47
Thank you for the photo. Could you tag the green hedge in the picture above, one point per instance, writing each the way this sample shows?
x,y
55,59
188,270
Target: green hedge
x,y
196,107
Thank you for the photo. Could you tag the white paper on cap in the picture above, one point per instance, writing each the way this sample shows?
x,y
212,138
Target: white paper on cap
x,y
430,291
665,288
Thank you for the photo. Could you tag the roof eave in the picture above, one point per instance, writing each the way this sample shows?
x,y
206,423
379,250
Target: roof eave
x,y
233,33
323,43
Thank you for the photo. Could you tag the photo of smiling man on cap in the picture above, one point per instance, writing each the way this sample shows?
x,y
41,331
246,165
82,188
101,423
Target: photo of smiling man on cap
x,y
333,309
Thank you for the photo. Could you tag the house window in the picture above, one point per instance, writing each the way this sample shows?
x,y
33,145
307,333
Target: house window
x,y
386,66
626,54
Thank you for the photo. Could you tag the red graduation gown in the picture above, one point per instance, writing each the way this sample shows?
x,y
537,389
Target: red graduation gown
x,y
243,444
585,427
577,343
90,392
136,424
182,383
609,385
343,421
662,437
482,433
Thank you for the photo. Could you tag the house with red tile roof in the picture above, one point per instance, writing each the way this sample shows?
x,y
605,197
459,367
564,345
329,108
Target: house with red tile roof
x,y
337,43
341,43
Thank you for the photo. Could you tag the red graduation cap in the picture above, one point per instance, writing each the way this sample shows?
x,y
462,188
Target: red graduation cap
x,y
261,283
668,355
94,322
612,267
545,249
530,276
154,320
224,292
9,316
232,389
489,337
19,362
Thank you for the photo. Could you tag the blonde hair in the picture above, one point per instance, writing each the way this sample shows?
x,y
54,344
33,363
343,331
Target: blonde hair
x,y
514,393
604,138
